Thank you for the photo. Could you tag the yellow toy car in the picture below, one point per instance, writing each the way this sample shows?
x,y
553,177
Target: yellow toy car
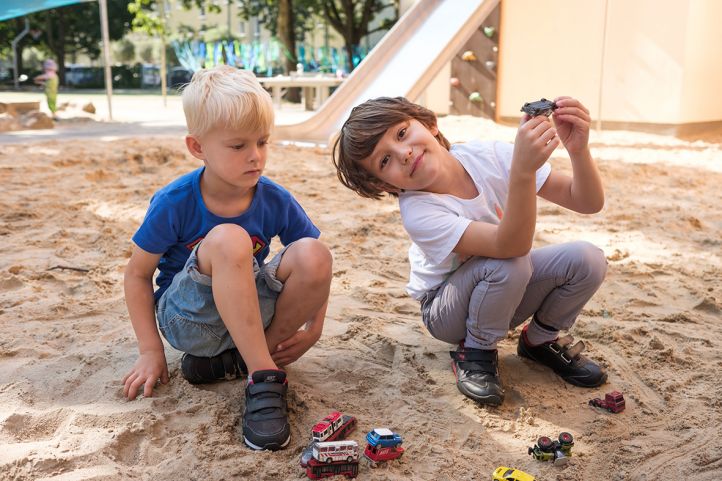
x,y
502,473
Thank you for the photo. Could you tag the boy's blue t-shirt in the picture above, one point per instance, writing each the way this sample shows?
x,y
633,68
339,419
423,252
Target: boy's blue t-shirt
x,y
178,219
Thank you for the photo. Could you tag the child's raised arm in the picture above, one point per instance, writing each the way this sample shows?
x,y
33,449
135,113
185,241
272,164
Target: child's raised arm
x,y
583,192
151,364
513,236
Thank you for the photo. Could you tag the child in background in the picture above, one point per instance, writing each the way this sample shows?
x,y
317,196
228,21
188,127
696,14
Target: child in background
x,y
49,78
470,210
209,232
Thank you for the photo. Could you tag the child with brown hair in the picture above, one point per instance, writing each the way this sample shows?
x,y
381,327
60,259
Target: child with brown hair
x,y
470,211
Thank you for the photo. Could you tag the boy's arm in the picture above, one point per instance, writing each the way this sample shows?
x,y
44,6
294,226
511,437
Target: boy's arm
x,y
151,364
583,192
289,350
513,236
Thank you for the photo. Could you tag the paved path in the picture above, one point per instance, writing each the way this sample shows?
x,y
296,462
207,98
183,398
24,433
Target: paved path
x,y
134,115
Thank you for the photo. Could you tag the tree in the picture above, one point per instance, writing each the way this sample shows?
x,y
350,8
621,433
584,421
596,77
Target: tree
x,y
286,20
352,19
124,51
74,28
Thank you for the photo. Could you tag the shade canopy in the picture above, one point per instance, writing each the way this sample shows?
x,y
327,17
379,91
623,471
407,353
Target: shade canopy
x,y
20,8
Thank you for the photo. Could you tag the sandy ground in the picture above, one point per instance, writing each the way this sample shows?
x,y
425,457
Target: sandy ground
x,y
69,208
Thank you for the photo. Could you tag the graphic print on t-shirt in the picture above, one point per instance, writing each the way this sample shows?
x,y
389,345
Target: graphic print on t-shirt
x,y
258,244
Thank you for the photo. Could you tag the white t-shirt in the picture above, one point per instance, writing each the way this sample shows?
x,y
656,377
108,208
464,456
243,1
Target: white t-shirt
x,y
436,222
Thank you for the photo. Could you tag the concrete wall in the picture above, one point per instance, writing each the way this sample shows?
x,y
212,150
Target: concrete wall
x,y
656,61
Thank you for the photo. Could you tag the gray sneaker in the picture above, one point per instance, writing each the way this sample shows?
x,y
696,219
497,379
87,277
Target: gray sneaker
x,y
265,420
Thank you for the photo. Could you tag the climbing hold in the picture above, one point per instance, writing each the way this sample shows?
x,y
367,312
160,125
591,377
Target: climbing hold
x,y
475,97
454,81
468,56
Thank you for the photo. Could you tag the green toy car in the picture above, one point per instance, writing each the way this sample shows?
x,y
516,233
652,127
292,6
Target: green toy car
x,y
556,451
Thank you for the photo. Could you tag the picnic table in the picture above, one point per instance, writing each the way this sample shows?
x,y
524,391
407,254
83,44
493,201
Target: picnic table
x,y
315,88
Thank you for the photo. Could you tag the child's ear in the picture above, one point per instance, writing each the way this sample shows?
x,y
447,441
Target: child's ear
x,y
195,147
434,130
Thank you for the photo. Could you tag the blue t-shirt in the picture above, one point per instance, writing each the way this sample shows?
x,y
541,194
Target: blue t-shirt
x,y
178,219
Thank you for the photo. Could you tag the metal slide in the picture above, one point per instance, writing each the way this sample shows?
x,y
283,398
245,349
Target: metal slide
x,y
403,63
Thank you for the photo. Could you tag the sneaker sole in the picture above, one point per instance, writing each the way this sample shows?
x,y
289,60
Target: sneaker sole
x,y
269,446
486,400
491,400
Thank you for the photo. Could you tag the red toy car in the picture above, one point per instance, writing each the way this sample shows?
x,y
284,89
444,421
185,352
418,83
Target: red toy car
x,y
612,402
377,454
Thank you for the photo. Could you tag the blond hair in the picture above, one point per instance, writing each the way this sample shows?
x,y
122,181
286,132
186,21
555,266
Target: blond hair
x,y
226,97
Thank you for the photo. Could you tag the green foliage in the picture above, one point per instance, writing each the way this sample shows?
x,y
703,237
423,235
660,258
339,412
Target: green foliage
x,y
124,51
267,13
147,17
65,30
146,54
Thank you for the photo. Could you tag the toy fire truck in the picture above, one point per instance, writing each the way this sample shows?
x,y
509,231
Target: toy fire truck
x,y
333,427
333,458
383,445
612,402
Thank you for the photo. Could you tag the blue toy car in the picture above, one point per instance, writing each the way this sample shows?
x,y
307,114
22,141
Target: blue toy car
x,y
383,437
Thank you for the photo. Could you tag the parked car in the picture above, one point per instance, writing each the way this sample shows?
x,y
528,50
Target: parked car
x,y
383,437
178,77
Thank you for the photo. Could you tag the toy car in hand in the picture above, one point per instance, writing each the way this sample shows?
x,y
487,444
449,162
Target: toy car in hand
x,y
383,437
556,451
540,107
502,473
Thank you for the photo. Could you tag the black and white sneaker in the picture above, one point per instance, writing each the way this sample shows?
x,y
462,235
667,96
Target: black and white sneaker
x,y
265,420
477,374
564,359
203,370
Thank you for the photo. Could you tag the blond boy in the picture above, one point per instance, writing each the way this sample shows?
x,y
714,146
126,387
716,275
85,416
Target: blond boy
x,y
208,233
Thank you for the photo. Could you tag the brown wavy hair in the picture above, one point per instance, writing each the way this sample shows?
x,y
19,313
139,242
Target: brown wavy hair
x,y
361,132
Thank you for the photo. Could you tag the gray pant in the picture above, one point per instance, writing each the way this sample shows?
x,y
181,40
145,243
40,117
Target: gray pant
x,y
486,297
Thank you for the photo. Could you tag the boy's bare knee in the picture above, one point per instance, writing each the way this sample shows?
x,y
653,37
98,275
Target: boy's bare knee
x,y
314,259
226,242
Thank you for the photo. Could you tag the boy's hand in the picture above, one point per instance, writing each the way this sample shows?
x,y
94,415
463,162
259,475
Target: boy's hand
x,y
572,120
148,369
294,347
535,141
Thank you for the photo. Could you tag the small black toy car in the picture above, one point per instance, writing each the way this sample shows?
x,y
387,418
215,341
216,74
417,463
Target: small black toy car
x,y
540,107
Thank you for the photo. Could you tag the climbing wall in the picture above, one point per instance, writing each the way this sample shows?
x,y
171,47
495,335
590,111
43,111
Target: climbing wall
x,y
473,72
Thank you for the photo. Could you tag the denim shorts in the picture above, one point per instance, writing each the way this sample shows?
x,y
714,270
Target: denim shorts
x,y
187,314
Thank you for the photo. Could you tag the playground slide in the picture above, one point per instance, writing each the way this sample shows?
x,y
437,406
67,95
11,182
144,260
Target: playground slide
x,y
403,63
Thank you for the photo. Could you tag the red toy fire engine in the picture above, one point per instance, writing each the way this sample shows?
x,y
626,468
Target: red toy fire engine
x,y
333,427
612,402
332,458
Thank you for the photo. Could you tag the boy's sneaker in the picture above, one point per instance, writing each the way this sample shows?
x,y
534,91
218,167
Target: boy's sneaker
x,y
265,421
477,374
564,359
203,370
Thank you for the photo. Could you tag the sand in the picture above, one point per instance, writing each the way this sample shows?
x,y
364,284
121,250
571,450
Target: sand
x,y
69,208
